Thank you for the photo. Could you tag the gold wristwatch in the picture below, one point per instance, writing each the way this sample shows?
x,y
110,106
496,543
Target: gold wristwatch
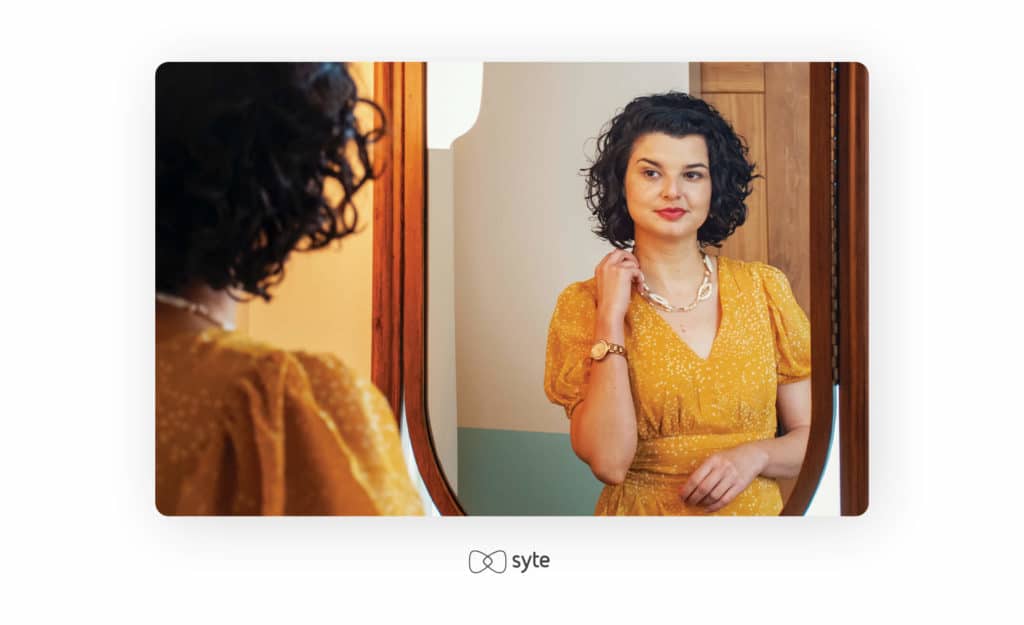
x,y
602,348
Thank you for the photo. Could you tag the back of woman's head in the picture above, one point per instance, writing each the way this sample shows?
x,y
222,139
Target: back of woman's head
x,y
243,151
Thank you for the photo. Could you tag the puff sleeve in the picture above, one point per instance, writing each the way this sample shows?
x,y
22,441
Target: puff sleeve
x,y
320,440
791,329
570,337
360,419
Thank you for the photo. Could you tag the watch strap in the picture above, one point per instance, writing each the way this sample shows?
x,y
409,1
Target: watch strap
x,y
616,349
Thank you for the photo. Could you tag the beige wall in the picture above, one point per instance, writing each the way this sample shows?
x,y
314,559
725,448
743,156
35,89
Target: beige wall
x,y
441,373
520,228
453,103
324,303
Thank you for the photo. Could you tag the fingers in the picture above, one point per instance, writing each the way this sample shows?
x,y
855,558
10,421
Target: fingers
x,y
626,259
612,257
617,256
617,259
701,495
717,492
713,485
690,488
614,277
726,499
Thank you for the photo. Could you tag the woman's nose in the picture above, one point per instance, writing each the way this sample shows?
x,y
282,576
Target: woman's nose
x,y
671,190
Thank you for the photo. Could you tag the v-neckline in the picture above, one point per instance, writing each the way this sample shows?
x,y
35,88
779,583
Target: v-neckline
x,y
721,318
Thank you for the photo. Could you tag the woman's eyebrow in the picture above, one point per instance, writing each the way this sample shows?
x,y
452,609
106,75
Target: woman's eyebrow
x,y
657,164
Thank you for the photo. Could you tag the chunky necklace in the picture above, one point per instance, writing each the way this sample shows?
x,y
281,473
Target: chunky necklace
x,y
703,292
193,307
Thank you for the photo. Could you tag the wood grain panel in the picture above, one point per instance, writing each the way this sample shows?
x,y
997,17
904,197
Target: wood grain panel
x,y
787,111
853,286
386,340
820,314
745,111
731,78
696,84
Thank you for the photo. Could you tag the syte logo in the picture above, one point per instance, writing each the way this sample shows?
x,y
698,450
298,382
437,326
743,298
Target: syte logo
x,y
497,561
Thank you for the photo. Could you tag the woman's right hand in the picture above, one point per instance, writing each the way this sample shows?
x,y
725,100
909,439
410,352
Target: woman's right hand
x,y
615,275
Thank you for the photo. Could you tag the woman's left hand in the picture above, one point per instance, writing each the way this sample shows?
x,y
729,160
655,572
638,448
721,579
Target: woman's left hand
x,y
721,477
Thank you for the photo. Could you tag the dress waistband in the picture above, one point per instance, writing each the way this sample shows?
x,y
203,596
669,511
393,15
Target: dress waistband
x,y
683,454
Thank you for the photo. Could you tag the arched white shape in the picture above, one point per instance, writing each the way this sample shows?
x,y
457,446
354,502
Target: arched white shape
x,y
453,101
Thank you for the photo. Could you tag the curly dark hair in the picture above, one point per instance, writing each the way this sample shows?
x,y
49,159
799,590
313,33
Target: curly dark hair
x,y
677,114
243,151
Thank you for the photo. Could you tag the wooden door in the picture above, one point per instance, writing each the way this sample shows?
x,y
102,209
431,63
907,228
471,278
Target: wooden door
x,y
768,104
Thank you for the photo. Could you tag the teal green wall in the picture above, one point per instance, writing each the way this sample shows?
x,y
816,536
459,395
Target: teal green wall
x,y
508,472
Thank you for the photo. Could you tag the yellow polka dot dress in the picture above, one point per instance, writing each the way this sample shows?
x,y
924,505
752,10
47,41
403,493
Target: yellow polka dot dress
x,y
244,428
687,408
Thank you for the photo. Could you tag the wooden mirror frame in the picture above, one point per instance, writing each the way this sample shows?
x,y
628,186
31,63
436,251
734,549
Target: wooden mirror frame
x,y
838,253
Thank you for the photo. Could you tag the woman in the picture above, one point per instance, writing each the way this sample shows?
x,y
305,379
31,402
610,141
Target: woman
x,y
243,154
670,362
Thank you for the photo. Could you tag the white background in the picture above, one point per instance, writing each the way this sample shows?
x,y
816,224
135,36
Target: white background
x,y
81,537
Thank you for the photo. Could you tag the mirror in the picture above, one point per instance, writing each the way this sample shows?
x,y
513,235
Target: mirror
x,y
506,229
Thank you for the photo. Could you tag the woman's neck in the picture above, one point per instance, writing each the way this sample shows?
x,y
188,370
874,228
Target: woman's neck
x,y
219,304
670,267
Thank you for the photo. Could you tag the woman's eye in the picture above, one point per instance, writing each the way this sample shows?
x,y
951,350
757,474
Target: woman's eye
x,y
650,173
694,175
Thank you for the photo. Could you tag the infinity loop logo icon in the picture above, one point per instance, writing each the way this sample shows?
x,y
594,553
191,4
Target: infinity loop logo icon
x,y
479,561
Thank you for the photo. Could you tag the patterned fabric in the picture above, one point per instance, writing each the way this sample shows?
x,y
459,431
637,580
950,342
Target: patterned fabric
x,y
687,408
243,428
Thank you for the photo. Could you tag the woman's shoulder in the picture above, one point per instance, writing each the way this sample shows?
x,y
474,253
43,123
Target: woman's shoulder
x,y
235,355
242,350
306,380
321,370
575,306
580,293
330,375
751,273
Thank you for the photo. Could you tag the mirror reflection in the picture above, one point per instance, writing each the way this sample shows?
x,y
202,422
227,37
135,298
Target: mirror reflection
x,y
591,348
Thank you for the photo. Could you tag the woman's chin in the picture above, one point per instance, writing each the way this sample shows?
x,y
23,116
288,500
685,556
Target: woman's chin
x,y
668,232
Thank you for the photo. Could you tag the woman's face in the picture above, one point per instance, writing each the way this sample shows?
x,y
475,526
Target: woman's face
x,y
668,186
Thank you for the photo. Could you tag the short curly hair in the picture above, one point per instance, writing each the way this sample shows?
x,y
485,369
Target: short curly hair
x,y
243,151
676,114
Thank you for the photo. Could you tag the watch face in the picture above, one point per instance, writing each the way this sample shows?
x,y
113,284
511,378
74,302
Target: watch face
x,y
598,351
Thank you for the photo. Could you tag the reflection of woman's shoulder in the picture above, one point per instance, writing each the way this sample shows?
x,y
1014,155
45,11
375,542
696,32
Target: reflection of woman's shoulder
x,y
577,303
579,293
750,274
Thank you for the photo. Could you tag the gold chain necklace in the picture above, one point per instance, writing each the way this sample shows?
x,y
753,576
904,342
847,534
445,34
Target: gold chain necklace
x,y
703,291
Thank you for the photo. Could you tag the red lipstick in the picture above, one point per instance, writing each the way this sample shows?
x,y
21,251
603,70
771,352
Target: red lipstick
x,y
671,214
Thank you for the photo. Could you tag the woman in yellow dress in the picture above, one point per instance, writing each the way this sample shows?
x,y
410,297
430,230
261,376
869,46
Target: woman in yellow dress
x,y
243,151
676,367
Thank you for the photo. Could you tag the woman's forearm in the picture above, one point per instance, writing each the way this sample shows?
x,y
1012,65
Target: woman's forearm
x,y
603,427
783,456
